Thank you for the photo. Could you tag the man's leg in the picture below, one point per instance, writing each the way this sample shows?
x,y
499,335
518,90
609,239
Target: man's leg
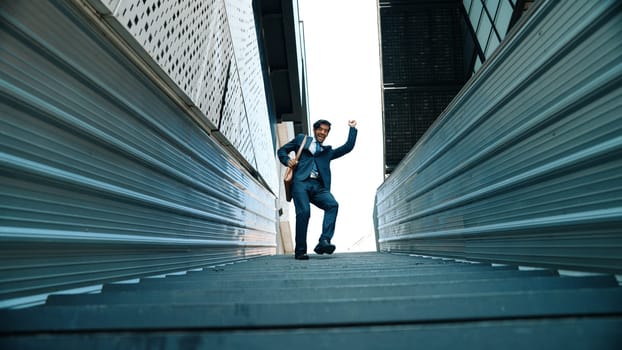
x,y
325,201
303,213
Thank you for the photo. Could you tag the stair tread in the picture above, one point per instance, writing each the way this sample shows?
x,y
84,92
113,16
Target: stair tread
x,y
303,281
444,308
558,333
326,292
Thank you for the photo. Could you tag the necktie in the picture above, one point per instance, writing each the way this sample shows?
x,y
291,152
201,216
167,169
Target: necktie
x,y
314,171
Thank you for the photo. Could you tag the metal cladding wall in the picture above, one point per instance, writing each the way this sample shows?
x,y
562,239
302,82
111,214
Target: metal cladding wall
x,y
104,175
525,165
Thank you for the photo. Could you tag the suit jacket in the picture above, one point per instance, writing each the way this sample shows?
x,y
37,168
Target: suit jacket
x,y
322,158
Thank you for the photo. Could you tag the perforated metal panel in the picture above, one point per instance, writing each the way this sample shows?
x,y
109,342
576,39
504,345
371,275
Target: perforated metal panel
x,y
187,39
209,50
525,165
255,134
234,123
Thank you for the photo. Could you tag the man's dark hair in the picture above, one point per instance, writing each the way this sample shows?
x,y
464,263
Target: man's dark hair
x,y
317,124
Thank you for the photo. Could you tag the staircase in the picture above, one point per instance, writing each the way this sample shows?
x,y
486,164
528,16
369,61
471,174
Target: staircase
x,y
346,300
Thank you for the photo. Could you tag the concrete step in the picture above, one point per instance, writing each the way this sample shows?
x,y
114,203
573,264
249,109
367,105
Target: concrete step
x,y
332,279
212,314
540,333
342,271
363,300
320,293
339,273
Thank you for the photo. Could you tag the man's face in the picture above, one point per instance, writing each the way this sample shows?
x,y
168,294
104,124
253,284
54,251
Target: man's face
x,y
321,132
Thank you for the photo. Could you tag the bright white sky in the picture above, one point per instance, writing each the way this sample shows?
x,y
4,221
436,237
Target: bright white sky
x,y
343,71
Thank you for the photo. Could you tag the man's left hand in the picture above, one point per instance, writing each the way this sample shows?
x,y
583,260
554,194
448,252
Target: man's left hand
x,y
352,123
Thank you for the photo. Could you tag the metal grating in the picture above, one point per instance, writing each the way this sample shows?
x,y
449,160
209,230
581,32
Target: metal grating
x,y
525,164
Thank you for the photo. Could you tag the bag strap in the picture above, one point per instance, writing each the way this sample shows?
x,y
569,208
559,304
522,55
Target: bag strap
x,y
302,145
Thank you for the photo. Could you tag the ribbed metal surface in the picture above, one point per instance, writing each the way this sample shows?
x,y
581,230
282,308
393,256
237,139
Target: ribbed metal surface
x,y
103,176
525,165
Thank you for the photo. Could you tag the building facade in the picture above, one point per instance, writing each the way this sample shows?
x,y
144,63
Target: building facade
x,y
429,50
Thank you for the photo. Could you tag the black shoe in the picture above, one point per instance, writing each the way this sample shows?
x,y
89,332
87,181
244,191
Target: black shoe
x,y
324,247
302,256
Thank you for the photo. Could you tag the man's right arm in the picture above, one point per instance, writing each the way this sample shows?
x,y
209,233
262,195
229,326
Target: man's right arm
x,y
283,152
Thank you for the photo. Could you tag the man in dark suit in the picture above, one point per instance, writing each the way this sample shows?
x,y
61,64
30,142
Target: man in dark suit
x,y
312,183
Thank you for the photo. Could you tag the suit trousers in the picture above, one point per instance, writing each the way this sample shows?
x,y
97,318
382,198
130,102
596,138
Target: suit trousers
x,y
312,191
